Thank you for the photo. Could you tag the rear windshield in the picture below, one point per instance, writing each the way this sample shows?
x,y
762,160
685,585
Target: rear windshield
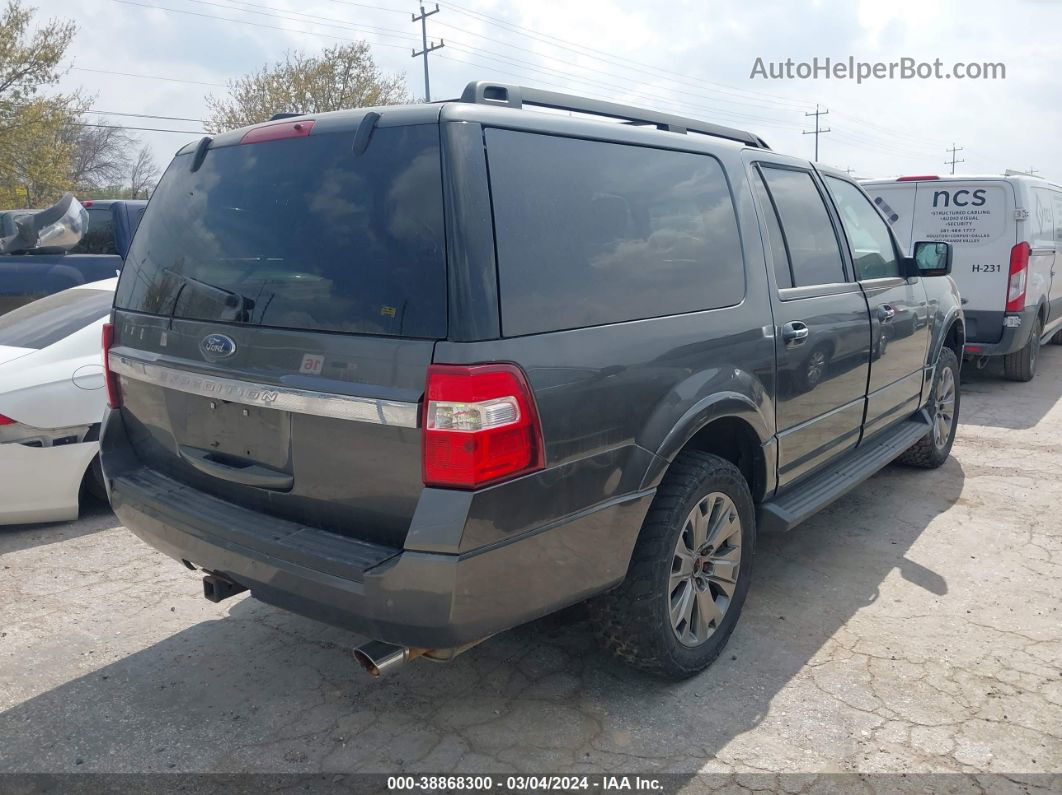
x,y
99,237
48,320
299,233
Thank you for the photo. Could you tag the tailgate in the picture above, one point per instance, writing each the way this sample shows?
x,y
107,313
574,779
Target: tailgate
x,y
275,323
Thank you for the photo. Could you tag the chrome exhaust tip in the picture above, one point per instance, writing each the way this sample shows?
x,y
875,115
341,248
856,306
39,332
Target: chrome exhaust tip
x,y
383,659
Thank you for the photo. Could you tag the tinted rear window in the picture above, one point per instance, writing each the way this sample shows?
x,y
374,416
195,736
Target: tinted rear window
x,y
99,237
48,320
591,233
299,234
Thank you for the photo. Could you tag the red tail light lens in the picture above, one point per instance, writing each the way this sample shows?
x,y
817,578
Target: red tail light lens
x,y
6,420
480,426
1019,274
114,393
918,178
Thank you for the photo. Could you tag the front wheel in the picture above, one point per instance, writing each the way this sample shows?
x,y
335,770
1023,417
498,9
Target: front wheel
x,y
933,449
689,573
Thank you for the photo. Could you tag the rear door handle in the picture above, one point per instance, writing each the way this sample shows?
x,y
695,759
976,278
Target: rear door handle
x,y
794,333
886,313
249,475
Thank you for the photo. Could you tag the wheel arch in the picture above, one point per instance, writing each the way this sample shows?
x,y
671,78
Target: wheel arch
x,y
729,426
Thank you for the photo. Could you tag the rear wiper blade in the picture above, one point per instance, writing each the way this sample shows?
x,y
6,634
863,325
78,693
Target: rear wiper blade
x,y
240,303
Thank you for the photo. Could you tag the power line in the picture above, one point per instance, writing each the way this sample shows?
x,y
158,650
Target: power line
x,y
142,129
425,49
817,132
253,24
147,77
144,116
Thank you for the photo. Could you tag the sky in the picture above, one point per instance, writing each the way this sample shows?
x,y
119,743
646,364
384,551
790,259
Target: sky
x,y
691,57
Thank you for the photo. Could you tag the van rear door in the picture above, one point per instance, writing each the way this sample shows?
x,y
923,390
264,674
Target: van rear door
x,y
977,218
275,322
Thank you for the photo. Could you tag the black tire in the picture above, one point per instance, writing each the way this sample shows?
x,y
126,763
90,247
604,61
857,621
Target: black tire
x,y
92,483
1021,365
633,621
932,450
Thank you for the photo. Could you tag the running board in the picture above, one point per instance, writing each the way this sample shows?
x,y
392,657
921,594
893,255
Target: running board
x,y
811,496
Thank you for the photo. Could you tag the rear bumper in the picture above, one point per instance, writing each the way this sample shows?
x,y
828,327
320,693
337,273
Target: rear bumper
x,y
1014,337
402,596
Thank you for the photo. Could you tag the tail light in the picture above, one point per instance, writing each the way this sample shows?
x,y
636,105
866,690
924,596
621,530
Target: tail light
x,y
6,420
1019,274
480,426
114,393
918,178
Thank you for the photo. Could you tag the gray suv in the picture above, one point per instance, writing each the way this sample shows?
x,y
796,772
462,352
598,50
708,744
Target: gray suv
x,y
433,371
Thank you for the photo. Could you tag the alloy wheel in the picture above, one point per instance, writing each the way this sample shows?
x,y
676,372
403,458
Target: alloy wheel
x,y
944,409
704,570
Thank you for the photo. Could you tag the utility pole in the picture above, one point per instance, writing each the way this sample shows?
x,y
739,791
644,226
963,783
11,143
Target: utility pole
x,y
423,20
817,132
953,161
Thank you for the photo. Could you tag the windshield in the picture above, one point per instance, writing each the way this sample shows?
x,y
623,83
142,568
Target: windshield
x,y
48,320
299,233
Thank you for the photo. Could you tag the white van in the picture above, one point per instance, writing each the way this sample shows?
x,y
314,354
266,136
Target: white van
x,y
1004,232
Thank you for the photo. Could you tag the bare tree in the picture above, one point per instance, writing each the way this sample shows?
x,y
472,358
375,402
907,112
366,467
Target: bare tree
x,y
143,175
101,155
340,77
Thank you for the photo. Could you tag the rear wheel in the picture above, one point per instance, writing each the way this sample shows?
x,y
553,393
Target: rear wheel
x,y
689,573
1021,365
933,449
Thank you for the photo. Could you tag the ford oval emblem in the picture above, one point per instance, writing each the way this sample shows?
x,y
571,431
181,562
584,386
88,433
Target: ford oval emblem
x,y
217,346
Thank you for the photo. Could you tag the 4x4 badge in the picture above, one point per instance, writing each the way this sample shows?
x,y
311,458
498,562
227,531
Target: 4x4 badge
x,y
217,346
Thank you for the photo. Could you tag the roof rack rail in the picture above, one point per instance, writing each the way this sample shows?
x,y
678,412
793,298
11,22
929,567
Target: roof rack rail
x,y
486,93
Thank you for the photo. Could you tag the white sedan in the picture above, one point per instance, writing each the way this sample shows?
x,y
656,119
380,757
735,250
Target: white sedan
x,y
52,398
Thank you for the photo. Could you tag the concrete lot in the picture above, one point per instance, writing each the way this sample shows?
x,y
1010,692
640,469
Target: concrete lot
x,y
915,626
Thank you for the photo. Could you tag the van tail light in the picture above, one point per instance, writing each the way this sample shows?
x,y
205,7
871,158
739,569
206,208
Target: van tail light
x,y
6,420
114,392
480,426
1019,274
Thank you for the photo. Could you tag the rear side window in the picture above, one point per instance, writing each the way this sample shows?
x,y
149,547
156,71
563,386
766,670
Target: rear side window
x,y
99,237
813,251
299,233
48,320
591,233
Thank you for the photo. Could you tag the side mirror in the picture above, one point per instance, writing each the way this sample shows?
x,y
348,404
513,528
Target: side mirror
x,y
931,258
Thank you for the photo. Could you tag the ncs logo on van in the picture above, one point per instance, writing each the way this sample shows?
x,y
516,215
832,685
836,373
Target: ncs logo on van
x,y
959,198
217,346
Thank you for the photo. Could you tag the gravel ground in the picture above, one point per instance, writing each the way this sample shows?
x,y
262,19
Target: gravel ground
x,y
912,627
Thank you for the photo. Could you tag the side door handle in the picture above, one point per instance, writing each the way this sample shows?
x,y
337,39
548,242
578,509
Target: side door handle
x,y
886,313
794,333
